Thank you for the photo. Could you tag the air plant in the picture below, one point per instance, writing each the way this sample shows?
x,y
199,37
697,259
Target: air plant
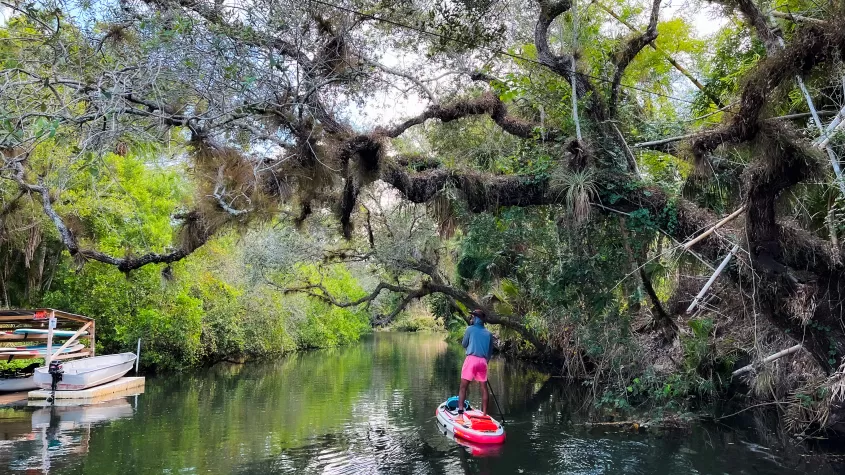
x,y
578,189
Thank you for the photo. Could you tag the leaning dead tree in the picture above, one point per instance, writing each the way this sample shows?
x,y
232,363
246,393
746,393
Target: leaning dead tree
x,y
253,89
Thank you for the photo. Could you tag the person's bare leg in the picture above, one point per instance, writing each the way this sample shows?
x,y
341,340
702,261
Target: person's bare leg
x,y
462,394
484,397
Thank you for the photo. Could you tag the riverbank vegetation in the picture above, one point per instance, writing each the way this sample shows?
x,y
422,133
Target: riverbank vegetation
x,y
653,209
213,307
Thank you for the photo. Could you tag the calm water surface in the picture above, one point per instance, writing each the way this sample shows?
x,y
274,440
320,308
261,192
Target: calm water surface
x,y
368,408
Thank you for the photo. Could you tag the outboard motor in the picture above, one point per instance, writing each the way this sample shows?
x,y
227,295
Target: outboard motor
x,y
56,371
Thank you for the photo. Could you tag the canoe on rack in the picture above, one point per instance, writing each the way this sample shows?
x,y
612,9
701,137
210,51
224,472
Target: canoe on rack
x,y
39,331
37,351
38,348
41,325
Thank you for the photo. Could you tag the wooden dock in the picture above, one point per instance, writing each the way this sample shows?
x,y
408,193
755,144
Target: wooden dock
x,y
126,386
129,385
13,399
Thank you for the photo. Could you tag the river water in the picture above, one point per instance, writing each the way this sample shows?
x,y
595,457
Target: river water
x,y
367,408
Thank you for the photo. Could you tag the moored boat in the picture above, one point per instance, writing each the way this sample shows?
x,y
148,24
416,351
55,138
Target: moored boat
x,y
87,373
22,383
475,426
18,379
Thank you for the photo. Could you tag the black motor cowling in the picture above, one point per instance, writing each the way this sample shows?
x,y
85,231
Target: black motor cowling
x,y
56,371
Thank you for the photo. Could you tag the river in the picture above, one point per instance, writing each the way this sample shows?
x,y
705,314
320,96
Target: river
x,y
366,408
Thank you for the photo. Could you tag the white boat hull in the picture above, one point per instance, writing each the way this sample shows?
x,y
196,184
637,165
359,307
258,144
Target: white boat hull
x,y
17,384
87,372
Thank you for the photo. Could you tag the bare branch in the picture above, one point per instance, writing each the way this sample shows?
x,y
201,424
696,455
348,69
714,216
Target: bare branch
x,y
219,191
486,104
768,359
325,296
409,77
630,51
797,18
549,10
402,305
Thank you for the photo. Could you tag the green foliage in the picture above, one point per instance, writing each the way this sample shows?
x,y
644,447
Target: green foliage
x,y
694,384
476,143
736,52
697,344
417,319
126,308
125,202
322,325
439,306
206,309
663,169
667,390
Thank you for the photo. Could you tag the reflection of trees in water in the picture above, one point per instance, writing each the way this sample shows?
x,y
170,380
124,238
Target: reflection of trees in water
x,y
230,413
382,449
213,420
370,407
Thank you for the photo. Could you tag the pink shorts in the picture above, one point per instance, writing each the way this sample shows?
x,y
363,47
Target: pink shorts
x,y
475,368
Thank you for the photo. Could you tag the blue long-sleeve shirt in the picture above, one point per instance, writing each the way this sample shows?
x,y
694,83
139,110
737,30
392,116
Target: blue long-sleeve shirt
x,y
478,340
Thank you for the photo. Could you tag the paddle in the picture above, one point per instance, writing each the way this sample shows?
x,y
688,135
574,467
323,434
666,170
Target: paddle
x,y
501,414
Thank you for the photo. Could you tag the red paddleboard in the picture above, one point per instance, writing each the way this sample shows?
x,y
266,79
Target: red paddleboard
x,y
474,426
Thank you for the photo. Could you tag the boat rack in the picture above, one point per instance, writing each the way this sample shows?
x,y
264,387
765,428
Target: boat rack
x,y
40,318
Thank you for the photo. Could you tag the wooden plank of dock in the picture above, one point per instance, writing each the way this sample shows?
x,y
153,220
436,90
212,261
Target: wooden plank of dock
x,y
13,399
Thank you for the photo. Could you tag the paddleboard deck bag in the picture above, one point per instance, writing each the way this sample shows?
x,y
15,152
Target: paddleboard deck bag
x,y
472,426
452,404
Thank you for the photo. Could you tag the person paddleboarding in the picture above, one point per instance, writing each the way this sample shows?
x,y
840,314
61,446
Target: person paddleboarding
x,y
478,342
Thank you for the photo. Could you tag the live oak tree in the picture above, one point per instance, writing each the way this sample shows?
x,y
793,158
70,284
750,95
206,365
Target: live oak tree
x,y
259,93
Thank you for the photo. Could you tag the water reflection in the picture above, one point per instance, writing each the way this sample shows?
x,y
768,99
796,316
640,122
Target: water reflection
x,y
368,408
46,440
